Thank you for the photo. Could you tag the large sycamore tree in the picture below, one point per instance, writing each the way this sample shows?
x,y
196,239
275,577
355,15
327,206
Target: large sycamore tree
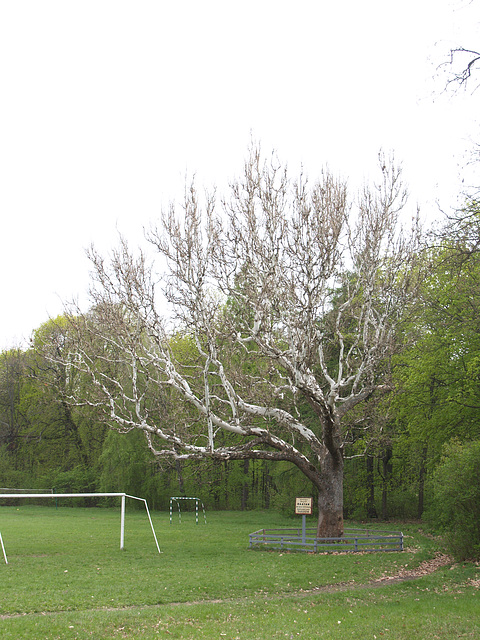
x,y
280,296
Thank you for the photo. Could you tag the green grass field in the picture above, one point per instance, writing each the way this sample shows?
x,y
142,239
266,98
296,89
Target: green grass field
x,y
67,578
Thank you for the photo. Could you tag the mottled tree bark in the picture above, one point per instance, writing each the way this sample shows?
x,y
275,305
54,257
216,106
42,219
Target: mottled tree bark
x,y
330,498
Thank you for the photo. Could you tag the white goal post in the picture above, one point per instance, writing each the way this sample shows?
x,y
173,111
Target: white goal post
x,y
197,501
91,495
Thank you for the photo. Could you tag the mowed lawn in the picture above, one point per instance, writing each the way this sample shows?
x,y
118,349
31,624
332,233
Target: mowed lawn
x,y
68,578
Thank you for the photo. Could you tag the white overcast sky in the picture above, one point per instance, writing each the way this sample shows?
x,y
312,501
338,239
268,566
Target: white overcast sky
x,y
106,106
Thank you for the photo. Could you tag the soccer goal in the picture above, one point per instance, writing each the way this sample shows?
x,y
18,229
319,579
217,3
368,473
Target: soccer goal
x,y
123,496
177,500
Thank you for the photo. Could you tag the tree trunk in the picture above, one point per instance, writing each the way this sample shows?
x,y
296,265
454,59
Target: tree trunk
x,y
225,481
421,481
371,509
71,428
246,464
386,473
178,469
265,486
330,498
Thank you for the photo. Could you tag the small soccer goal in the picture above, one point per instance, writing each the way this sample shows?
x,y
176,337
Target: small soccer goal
x,y
178,499
122,496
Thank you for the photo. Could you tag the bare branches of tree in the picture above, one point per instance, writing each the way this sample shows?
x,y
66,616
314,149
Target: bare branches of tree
x,y
285,292
464,63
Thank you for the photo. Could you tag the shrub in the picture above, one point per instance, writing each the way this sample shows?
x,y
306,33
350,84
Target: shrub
x,y
456,503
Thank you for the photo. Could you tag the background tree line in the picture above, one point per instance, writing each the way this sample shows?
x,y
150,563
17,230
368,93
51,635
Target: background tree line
x,y
397,445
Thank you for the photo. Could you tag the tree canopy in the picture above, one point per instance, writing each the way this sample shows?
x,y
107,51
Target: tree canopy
x,y
289,290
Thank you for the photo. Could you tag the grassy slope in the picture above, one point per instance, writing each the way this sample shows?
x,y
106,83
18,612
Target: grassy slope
x,y
67,578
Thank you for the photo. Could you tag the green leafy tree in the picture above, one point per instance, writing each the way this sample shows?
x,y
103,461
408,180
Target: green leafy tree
x,y
437,375
46,442
456,505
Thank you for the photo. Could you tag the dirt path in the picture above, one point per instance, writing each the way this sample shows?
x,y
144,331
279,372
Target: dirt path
x,y
425,568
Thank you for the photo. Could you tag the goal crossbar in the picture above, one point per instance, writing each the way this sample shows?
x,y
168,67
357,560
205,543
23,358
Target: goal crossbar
x,y
92,495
